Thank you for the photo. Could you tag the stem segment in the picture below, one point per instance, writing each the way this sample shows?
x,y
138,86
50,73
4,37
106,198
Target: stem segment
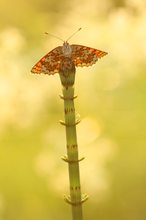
x,y
75,199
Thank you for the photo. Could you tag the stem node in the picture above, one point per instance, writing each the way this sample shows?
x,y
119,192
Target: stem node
x,y
65,158
68,200
69,125
68,98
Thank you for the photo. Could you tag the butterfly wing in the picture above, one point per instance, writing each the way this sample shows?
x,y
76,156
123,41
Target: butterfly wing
x,y
85,56
50,63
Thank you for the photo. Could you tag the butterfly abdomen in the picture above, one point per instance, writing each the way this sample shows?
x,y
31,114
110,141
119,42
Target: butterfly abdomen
x,y
66,66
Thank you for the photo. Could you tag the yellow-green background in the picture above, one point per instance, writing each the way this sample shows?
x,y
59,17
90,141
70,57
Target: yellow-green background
x,y
111,102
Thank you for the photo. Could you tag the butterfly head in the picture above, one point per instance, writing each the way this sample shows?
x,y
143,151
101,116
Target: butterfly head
x,y
66,49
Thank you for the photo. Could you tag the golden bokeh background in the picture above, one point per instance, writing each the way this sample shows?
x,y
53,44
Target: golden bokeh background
x,y
111,101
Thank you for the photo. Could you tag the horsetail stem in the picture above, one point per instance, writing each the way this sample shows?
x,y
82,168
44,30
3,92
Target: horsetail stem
x,y
75,199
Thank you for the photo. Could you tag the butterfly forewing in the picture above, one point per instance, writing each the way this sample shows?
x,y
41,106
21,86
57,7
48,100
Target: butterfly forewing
x,y
85,56
50,63
80,56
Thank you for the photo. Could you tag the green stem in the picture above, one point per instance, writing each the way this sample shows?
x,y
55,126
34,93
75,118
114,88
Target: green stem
x,y
75,199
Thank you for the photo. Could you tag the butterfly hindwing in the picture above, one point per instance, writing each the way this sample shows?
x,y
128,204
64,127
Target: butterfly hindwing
x,y
85,56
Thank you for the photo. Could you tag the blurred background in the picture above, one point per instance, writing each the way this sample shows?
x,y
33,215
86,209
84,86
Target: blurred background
x,y
111,101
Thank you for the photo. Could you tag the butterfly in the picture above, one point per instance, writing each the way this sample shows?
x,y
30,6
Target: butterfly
x,y
77,54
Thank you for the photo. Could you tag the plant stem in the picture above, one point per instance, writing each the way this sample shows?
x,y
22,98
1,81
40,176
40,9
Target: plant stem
x,y
75,198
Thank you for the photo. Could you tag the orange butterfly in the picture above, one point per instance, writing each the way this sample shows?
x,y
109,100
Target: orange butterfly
x,y
79,55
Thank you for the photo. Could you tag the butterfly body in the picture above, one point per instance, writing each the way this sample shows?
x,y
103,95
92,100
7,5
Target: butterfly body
x,y
65,57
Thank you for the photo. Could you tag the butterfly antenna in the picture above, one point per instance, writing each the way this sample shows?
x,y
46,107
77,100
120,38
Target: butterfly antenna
x,y
74,34
54,36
